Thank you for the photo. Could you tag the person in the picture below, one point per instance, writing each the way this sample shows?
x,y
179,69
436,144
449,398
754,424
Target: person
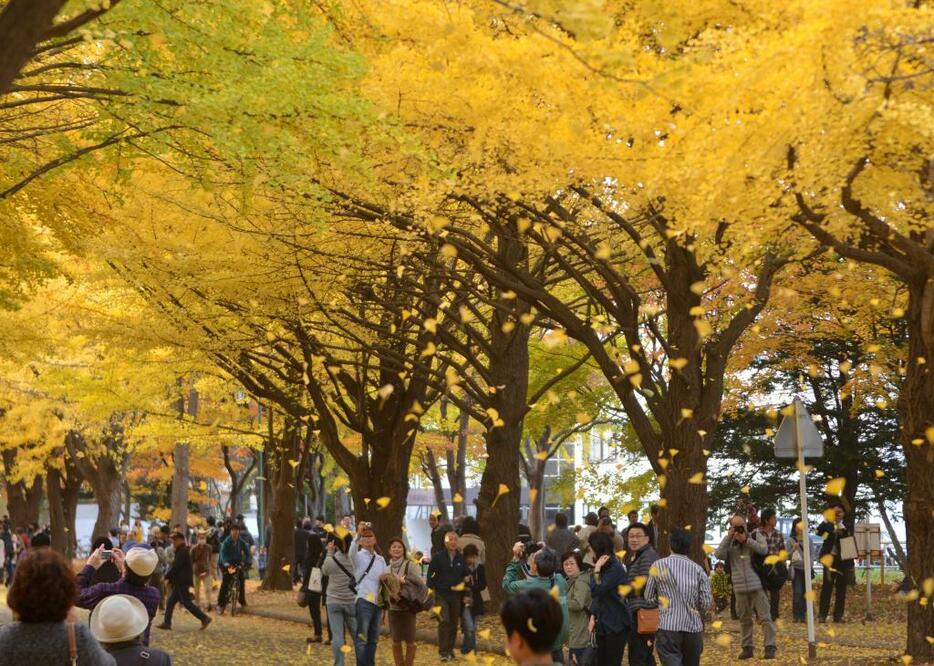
x,y
606,526
438,530
370,565
313,554
720,588
683,582
795,546
299,544
737,548
560,539
201,556
235,557
41,596
136,567
474,599
262,561
776,544
342,592
531,620
6,536
158,546
213,539
470,534
835,574
611,619
579,648
107,572
181,576
542,567
590,526
118,623
447,577
640,556
40,540
401,618
651,529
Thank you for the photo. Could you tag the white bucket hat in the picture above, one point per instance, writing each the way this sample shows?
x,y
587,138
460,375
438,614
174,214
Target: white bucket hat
x,y
119,618
142,561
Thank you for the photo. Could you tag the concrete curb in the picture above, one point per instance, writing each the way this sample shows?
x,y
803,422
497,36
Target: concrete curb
x,y
421,635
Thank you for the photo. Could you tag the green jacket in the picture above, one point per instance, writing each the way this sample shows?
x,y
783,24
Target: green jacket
x,y
513,583
579,610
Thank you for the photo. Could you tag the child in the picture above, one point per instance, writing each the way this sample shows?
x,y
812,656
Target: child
x,y
261,562
720,588
532,620
474,597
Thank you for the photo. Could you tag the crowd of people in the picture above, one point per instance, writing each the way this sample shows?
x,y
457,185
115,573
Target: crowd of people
x,y
587,594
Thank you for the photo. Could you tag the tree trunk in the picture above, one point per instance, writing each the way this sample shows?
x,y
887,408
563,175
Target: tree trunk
x,y
23,23
70,490
341,504
457,464
281,480
685,502
53,484
22,499
434,475
916,407
537,500
180,483
899,551
387,478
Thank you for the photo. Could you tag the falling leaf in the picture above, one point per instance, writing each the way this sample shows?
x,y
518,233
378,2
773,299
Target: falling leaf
x,y
624,590
533,493
383,502
458,498
744,490
697,478
293,463
385,391
502,490
716,625
340,481
835,486
677,363
879,473
723,639
286,568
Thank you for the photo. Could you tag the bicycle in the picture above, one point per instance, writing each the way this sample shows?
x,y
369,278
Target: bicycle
x,y
233,596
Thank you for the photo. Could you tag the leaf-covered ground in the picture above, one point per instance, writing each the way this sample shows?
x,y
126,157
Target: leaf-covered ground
x,y
259,640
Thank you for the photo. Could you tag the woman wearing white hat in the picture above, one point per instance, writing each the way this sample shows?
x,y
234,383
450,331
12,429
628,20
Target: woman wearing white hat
x,y
136,566
118,623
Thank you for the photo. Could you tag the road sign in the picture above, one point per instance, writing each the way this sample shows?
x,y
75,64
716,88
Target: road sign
x,y
804,431
868,538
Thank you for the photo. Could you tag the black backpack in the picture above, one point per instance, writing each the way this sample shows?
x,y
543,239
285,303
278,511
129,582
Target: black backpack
x,y
773,576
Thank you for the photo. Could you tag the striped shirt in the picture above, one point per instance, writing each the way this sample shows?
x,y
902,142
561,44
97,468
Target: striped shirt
x,y
682,591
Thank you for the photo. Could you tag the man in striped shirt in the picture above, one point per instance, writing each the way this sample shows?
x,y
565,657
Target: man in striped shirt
x,y
681,588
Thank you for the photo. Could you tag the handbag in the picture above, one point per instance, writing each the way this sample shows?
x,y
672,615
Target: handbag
x,y
314,580
647,620
848,548
301,597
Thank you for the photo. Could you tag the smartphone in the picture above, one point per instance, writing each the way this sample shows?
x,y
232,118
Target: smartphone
x,y
106,555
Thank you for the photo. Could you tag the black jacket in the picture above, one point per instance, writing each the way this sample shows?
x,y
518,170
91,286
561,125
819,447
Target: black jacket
x,y
314,556
130,654
437,538
445,572
180,573
301,540
831,536
477,583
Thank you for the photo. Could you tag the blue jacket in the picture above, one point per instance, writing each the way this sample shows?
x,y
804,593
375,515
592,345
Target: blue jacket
x,y
231,554
613,616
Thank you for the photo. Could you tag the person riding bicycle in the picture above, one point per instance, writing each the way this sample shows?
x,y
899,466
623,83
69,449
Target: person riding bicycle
x,y
234,558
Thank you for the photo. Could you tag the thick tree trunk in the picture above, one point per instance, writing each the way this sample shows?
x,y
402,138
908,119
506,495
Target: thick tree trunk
x,y
126,516
70,490
180,482
57,524
107,494
387,476
685,501
23,499
281,479
537,500
916,407
23,23
434,475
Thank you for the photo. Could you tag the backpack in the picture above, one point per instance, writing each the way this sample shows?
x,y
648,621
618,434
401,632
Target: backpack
x,y
213,540
773,576
413,595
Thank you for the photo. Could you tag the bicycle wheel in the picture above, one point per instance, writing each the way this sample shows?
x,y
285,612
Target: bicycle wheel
x,y
235,596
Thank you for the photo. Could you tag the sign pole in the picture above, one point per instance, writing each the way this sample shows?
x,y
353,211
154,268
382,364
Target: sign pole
x,y
868,586
806,532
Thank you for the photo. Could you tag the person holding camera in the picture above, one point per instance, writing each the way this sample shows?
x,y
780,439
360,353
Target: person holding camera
x,y
737,549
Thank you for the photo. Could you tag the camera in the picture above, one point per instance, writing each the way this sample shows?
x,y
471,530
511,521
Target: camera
x,y
106,555
740,529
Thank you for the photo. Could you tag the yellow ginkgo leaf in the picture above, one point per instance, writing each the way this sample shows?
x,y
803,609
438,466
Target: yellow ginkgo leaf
x,y
458,588
723,639
677,363
624,590
541,455
383,502
533,493
835,486
458,498
436,610
346,649
708,549
484,634
697,478
716,625
286,568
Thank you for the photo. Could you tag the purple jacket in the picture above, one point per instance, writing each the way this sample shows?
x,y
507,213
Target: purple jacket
x,y
90,595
